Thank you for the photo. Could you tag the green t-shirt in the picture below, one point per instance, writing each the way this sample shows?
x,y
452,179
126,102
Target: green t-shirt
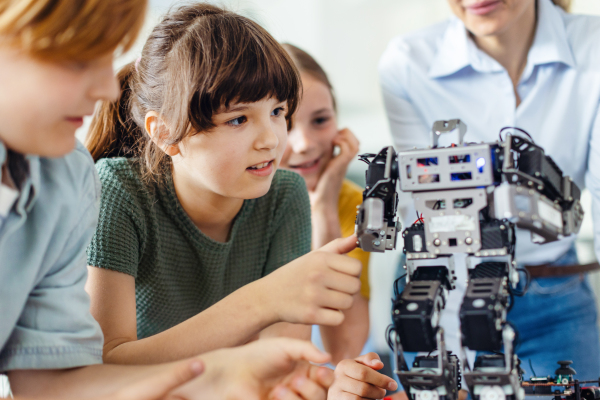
x,y
143,231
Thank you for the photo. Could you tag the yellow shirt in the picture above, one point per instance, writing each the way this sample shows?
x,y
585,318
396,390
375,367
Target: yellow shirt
x,y
350,197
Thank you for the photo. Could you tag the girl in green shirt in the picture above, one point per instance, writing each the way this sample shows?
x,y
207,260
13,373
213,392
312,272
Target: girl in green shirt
x,y
201,241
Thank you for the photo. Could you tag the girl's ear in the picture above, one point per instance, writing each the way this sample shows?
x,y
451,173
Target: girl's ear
x,y
158,131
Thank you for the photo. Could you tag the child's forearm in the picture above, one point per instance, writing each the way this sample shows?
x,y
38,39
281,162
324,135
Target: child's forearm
x,y
230,322
286,329
94,381
348,339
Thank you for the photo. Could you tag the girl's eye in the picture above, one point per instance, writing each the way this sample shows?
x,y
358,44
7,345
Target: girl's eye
x,y
321,120
237,121
278,111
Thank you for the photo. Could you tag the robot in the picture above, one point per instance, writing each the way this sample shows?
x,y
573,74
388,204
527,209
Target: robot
x,y
470,198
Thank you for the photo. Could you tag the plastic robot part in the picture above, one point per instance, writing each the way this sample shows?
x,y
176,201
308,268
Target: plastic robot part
x,y
426,395
492,393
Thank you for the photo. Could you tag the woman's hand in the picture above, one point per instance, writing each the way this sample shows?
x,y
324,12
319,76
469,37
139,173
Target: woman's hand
x,y
313,288
276,369
359,378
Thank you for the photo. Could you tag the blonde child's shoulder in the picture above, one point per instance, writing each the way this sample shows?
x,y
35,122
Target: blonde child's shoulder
x,y
73,174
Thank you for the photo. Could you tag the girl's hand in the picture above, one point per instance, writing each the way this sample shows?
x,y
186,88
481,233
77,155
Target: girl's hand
x,y
327,191
314,288
359,379
308,382
325,196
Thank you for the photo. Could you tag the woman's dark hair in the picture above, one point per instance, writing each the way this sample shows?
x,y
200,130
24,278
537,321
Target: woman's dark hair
x,y
197,60
308,65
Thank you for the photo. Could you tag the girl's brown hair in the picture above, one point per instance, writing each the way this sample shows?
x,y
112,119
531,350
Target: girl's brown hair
x,y
308,65
71,30
197,60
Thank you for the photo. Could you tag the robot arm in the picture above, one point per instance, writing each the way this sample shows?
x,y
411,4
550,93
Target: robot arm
x,y
376,222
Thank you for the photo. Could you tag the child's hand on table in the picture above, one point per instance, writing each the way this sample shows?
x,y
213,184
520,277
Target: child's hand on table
x,y
277,369
359,379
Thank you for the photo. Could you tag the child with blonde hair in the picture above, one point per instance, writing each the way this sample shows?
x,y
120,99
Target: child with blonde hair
x,y
55,63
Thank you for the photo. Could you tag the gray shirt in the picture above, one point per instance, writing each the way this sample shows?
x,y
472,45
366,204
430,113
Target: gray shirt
x,y
45,321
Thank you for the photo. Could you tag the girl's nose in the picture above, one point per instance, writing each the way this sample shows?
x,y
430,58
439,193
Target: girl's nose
x,y
267,139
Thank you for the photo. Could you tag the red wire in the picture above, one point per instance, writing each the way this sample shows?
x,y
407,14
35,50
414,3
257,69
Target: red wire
x,y
420,219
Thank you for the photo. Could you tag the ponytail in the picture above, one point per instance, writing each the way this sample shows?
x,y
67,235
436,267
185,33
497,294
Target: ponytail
x,y
112,132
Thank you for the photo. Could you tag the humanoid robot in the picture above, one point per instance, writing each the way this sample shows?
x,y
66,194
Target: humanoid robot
x,y
469,197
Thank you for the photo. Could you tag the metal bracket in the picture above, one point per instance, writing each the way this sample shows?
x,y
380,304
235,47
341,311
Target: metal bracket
x,y
441,127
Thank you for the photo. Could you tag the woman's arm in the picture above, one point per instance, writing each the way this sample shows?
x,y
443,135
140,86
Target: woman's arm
x,y
308,290
592,178
407,127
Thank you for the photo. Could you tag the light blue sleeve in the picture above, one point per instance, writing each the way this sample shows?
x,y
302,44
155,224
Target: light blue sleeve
x,y
407,128
592,178
55,329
